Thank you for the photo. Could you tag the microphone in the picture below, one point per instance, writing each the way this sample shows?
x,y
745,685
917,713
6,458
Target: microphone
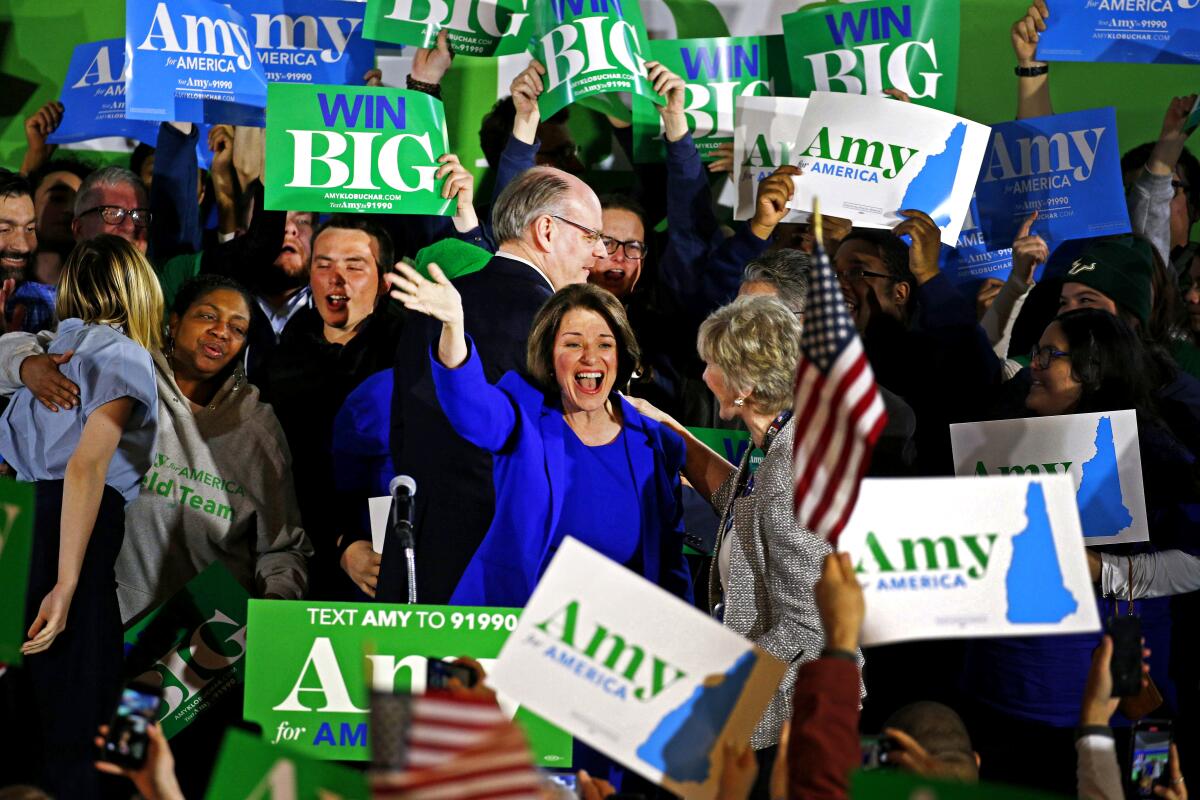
x,y
400,526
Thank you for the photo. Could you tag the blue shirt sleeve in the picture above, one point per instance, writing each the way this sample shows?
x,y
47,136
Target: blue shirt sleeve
x,y
173,199
480,413
700,267
515,159
118,369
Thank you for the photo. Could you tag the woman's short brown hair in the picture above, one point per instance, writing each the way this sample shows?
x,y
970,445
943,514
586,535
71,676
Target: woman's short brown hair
x,y
539,354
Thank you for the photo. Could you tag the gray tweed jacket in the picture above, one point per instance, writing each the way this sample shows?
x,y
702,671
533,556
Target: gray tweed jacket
x,y
774,563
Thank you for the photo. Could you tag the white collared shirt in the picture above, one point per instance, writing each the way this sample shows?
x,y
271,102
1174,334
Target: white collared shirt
x,y
528,263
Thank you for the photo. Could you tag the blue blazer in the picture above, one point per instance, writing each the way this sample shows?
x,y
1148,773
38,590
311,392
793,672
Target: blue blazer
x,y
524,432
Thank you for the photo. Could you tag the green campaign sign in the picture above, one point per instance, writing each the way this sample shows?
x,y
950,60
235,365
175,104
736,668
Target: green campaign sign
x,y
717,72
590,47
311,667
730,444
193,646
16,542
355,149
890,784
250,769
476,27
864,48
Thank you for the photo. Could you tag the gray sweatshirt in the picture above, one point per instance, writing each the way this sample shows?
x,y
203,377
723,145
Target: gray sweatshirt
x,y
219,488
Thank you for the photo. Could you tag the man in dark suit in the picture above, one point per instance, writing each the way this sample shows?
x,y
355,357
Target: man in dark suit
x,y
547,224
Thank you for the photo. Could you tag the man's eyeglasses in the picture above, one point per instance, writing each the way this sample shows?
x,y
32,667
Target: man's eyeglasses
x,y
590,235
634,250
1040,357
856,274
115,215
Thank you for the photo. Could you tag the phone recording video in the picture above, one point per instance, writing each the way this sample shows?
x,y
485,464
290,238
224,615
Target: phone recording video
x,y
127,741
875,750
1151,752
438,674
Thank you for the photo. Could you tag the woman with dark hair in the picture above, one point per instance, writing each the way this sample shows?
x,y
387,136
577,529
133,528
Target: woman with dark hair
x,y
613,474
220,485
1028,689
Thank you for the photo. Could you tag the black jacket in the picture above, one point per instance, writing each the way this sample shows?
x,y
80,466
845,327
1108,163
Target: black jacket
x,y
306,380
455,497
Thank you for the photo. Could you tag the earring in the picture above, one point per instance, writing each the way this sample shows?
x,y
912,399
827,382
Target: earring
x,y
739,402
169,346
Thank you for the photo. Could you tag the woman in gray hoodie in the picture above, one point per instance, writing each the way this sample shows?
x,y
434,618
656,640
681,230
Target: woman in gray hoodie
x,y
220,482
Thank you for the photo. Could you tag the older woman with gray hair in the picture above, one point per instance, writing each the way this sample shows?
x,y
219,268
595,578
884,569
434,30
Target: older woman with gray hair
x,y
761,584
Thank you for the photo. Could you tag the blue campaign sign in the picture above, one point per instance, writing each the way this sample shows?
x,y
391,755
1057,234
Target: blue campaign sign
x,y
1067,167
193,61
93,97
1140,32
310,41
972,260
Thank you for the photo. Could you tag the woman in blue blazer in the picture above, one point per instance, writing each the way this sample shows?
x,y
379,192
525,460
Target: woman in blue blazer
x,y
571,457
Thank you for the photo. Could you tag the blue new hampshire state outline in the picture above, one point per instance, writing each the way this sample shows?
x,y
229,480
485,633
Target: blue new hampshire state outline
x,y
930,188
1102,509
680,744
1034,582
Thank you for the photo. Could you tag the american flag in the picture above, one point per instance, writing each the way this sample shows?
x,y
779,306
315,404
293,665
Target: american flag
x,y
453,748
839,414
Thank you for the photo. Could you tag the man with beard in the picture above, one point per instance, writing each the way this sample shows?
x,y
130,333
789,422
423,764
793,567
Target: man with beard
x,y
18,243
55,186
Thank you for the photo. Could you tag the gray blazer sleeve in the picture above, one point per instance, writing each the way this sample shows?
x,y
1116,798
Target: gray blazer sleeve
x,y
1150,210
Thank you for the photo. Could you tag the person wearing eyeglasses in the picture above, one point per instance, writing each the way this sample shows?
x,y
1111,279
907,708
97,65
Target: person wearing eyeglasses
x,y
1027,689
547,224
113,200
921,336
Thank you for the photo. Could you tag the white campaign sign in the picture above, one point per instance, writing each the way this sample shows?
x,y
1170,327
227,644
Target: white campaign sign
x,y
764,139
1099,451
868,158
635,672
946,558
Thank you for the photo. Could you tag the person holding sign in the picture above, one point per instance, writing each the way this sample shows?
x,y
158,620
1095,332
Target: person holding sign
x,y
86,464
613,473
1028,688
761,583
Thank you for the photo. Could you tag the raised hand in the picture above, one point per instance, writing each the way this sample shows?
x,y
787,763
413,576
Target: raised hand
x,y
525,90
1026,31
724,160
771,205
1029,250
430,64
840,602
439,299
460,185
926,244
674,91
1171,138
38,128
